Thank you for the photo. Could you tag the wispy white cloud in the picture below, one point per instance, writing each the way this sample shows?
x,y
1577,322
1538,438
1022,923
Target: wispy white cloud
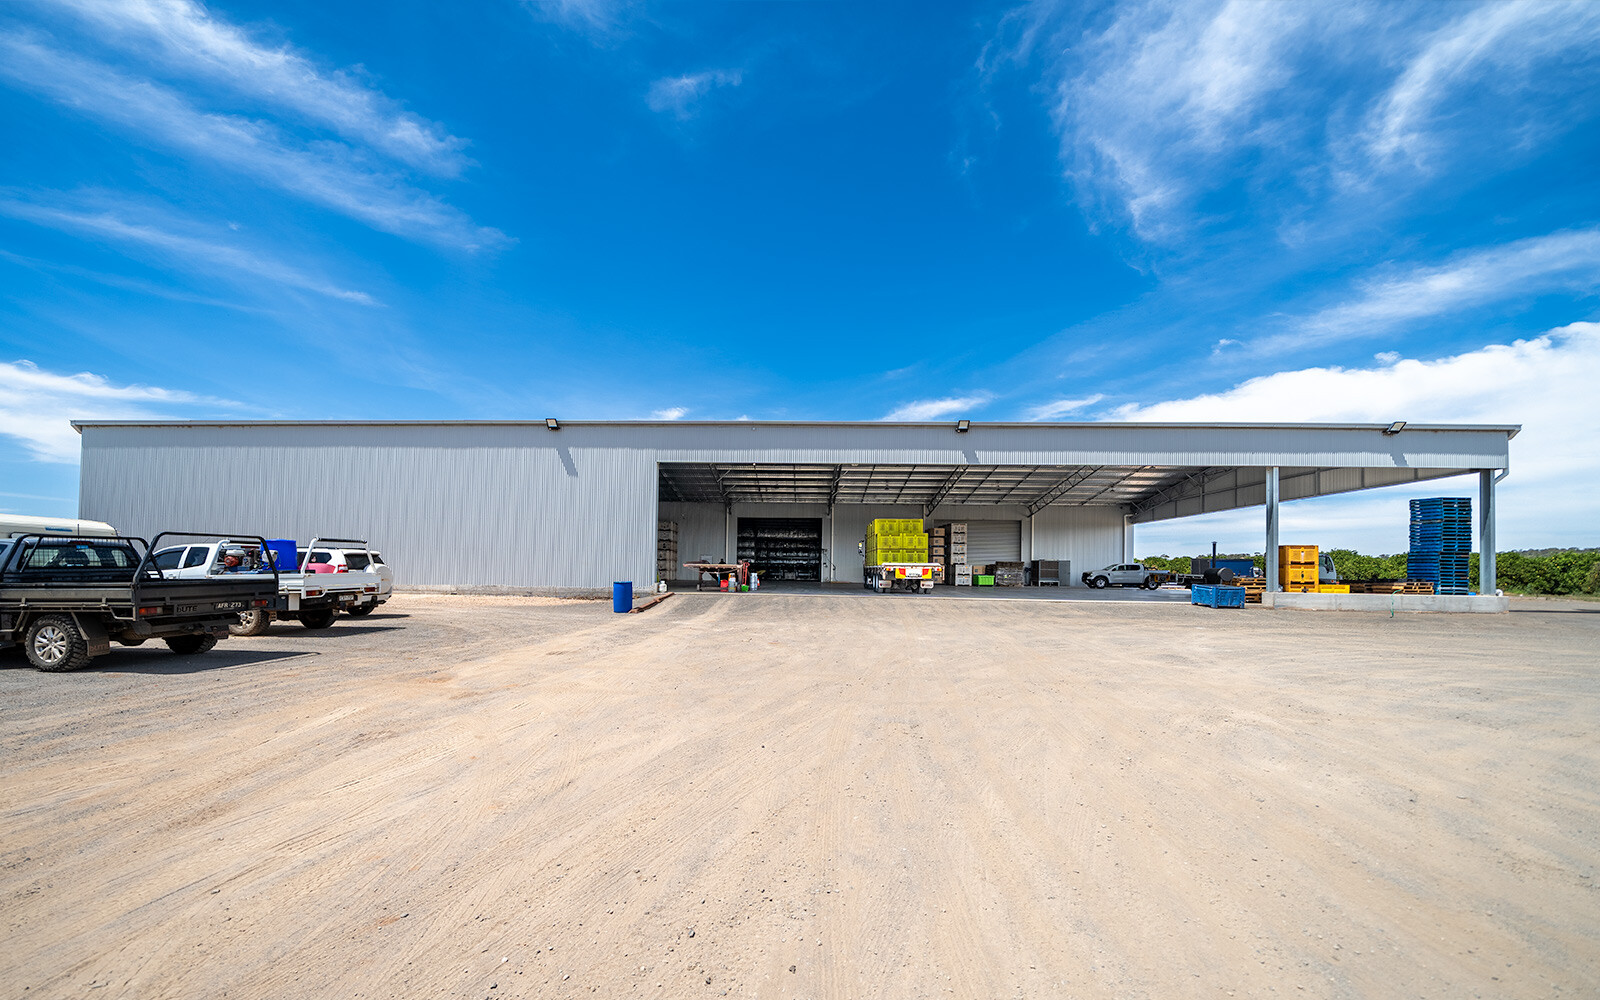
x,y
680,96
1162,88
1170,106
1566,261
329,174
670,413
184,37
1061,407
1495,46
37,406
934,409
594,17
33,496
1545,383
190,251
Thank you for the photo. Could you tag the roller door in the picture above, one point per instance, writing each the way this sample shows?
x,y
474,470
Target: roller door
x,y
994,541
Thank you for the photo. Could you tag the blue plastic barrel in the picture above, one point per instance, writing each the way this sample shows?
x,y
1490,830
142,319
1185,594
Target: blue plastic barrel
x,y
622,597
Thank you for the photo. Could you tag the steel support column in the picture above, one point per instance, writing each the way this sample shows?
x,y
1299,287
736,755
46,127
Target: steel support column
x,y
1127,538
833,569
1486,566
1272,529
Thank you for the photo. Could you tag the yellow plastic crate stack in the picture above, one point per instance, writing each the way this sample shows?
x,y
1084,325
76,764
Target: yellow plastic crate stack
x,y
1297,568
896,540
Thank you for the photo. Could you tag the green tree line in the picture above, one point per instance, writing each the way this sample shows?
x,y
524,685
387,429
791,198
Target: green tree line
x,y
1572,571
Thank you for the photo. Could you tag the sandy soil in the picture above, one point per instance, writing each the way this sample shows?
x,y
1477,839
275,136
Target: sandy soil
x,y
813,797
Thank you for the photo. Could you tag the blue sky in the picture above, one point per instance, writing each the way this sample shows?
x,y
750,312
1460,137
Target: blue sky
x,y
592,209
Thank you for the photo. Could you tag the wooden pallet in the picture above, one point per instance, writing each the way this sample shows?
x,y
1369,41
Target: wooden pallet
x,y
1393,587
1254,587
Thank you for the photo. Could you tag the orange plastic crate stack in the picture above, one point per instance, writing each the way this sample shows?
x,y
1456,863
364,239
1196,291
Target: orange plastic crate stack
x,y
1297,568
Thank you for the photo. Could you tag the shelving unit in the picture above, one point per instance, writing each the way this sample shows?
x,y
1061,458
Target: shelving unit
x,y
782,548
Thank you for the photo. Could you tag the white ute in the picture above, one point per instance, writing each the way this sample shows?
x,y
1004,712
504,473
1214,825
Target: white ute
x,y
1125,575
314,598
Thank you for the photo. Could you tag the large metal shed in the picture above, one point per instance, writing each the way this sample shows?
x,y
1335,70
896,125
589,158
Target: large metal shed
x,y
570,506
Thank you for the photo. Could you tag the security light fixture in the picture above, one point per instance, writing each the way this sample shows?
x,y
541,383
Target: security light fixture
x,y
962,426
1395,428
552,423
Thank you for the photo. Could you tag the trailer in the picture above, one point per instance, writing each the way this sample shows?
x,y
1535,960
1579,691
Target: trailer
x,y
916,577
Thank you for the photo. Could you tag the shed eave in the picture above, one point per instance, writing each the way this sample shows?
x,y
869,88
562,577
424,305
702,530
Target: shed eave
x,y
1510,430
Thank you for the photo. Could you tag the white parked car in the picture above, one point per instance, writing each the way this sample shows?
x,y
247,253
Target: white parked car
x,y
327,559
1125,575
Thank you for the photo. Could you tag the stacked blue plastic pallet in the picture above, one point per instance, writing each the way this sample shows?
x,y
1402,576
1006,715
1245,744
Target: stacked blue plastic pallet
x,y
1441,540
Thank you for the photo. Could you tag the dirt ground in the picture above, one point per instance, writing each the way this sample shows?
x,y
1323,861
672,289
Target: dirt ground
x,y
784,796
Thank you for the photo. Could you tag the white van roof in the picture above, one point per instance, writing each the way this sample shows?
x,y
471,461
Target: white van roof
x,y
12,525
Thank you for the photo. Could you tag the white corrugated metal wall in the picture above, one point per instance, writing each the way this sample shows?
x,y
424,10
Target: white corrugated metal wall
x,y
701,533
499,507
1089,536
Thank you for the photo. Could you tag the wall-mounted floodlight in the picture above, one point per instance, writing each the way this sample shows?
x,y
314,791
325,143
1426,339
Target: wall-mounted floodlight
x,y
962,426
552,423
1395,428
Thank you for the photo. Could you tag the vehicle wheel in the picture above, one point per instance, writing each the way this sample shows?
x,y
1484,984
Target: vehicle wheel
x,y
55,643
361,610
321,618
188,645
1101,582
252,623
1151,583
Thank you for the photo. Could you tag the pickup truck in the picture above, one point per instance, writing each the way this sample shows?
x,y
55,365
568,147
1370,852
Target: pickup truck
x,y
1125,575
313,598
64,599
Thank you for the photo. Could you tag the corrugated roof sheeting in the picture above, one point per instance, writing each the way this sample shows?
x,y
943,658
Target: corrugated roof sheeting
x,y
1033,486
